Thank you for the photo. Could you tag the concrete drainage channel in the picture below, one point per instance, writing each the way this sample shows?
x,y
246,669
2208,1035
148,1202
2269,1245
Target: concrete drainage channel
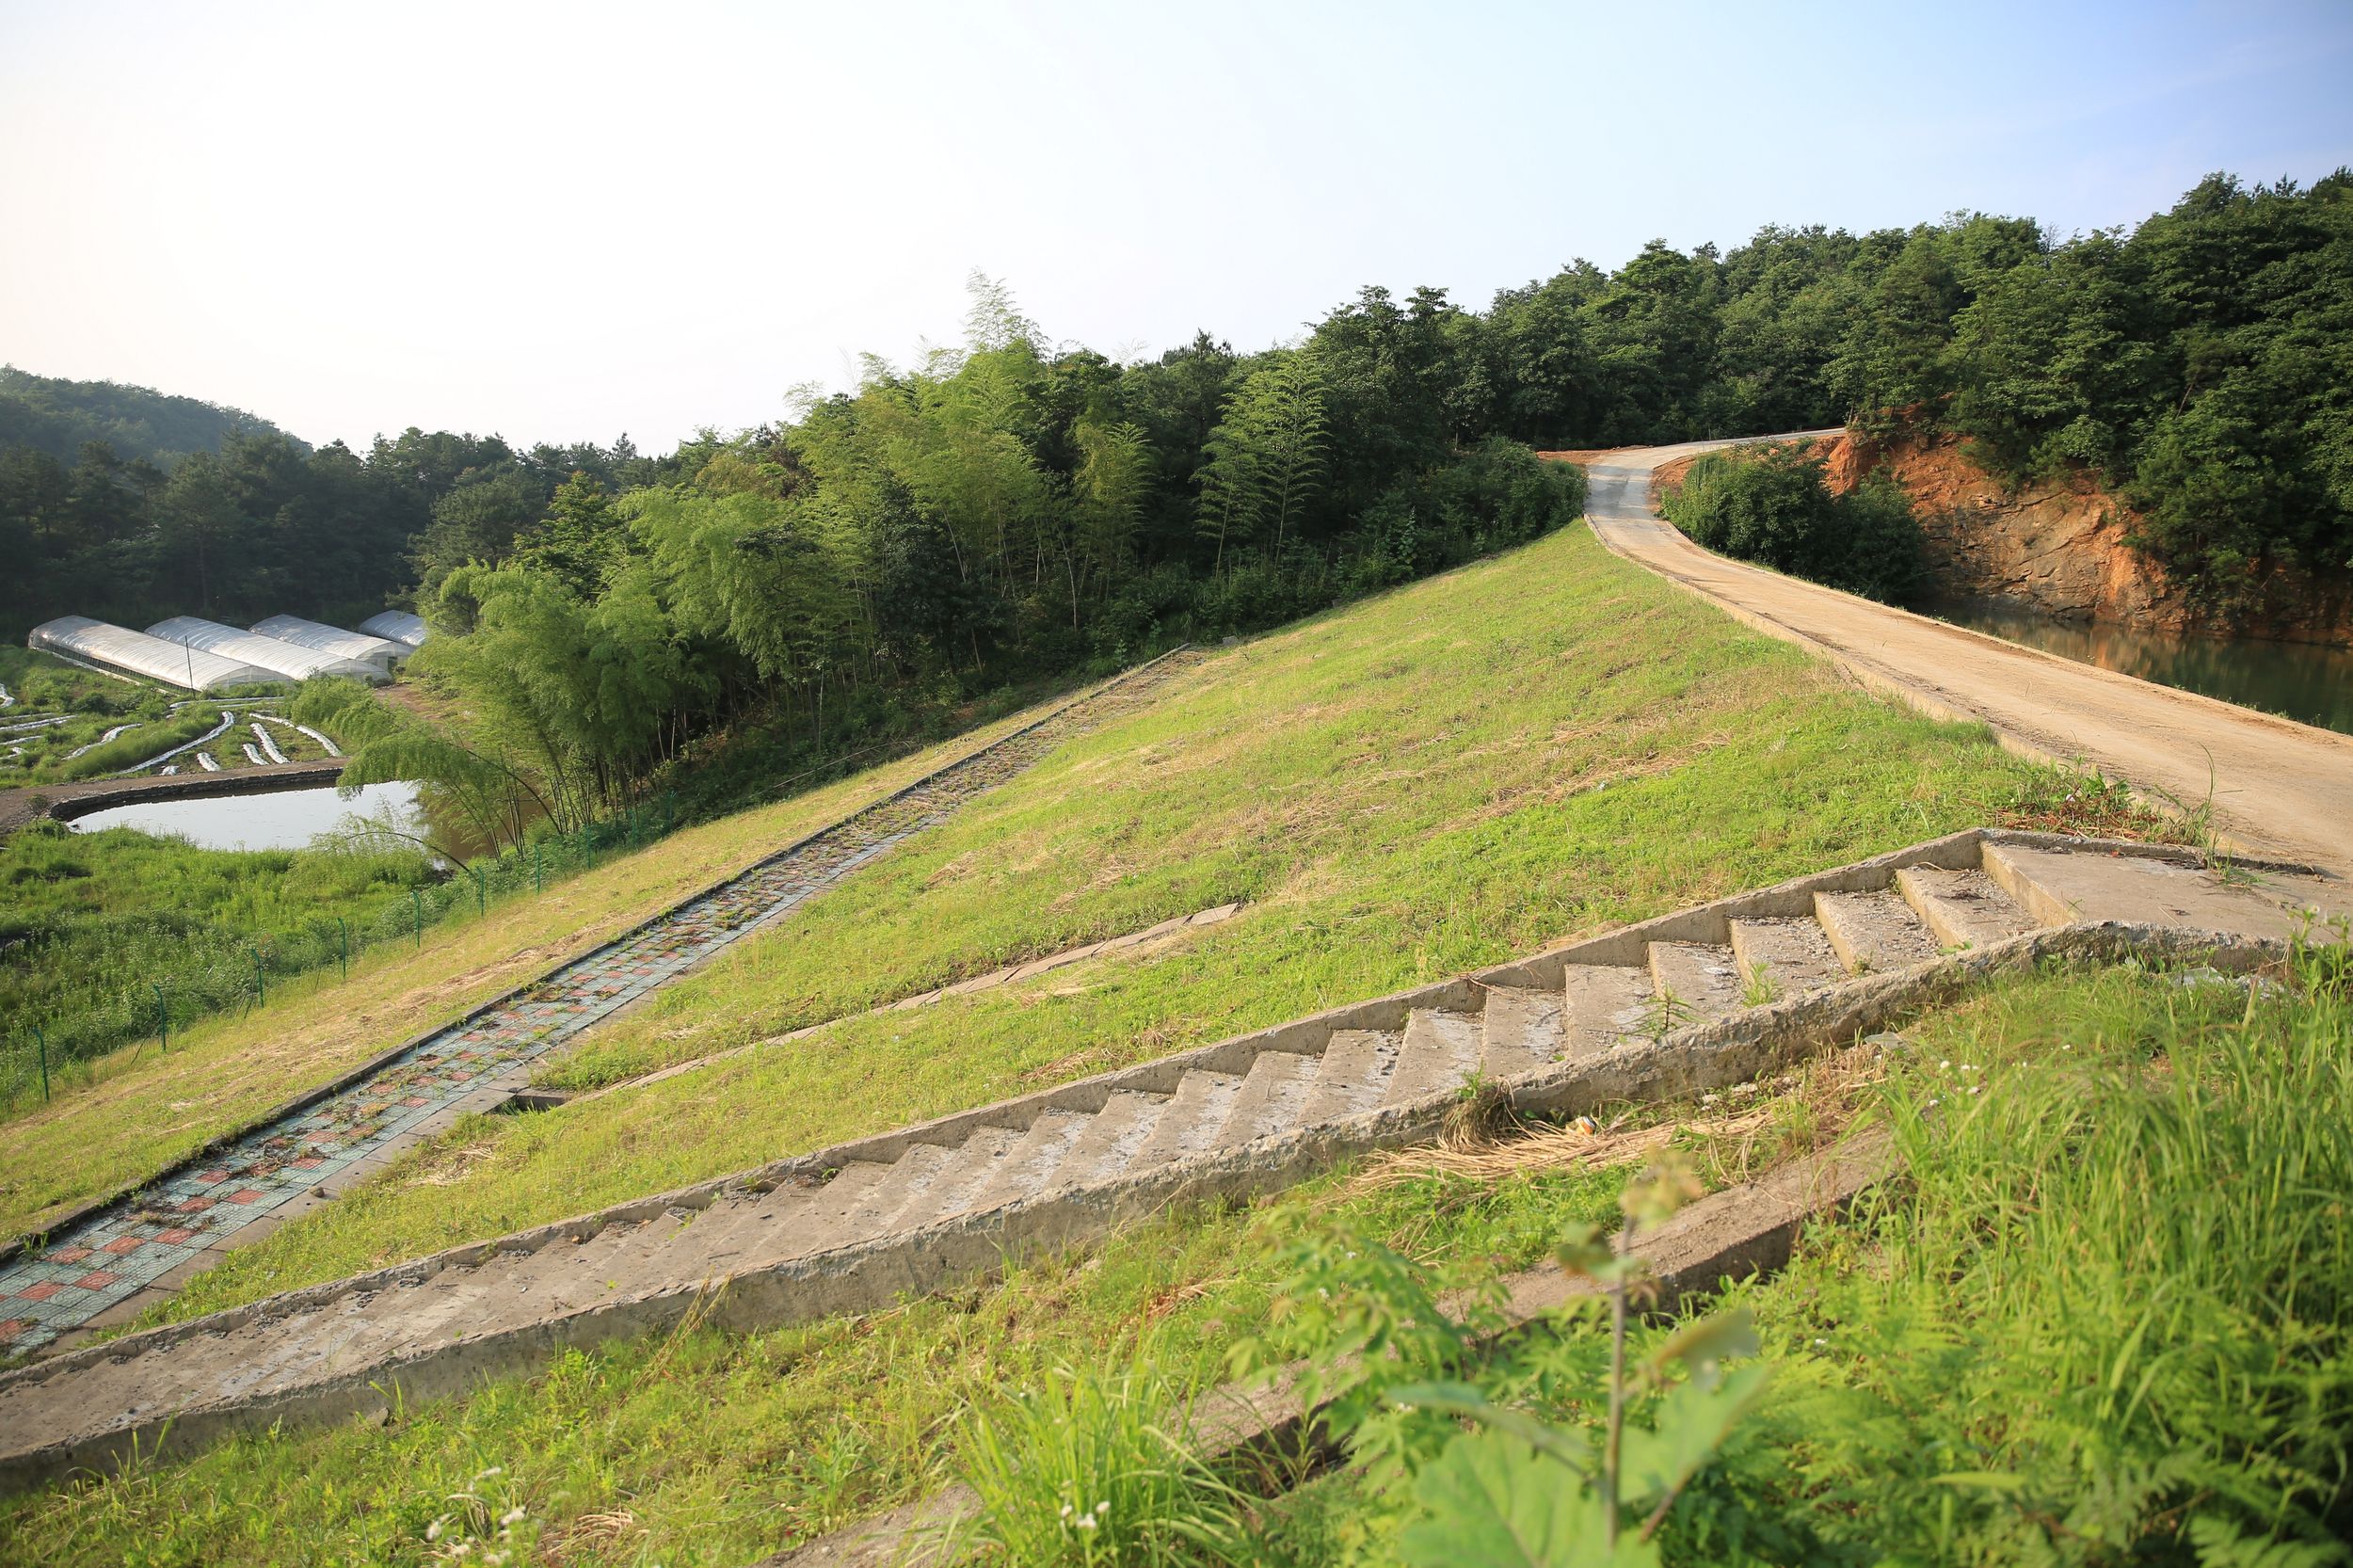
x,y
1669,1008
107,1262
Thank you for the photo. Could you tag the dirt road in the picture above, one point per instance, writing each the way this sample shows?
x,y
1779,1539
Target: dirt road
x,y
2277,787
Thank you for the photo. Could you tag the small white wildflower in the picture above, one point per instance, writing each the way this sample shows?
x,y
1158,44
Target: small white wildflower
x,y
1976,1088
1103,1508
1968,1066
493,1470
1946,1066
1930,1106
1086,1521
1821,1341
433,1531
1066,1510
512,1516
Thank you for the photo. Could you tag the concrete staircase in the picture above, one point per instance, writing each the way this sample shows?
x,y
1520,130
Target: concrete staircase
x,y
1698,1000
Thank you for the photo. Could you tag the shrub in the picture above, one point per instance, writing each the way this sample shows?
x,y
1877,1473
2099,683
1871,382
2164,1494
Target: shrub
x,y
1772,507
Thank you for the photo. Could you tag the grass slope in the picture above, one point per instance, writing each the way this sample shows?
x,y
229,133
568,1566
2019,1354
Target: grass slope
x,y
2099,1320
1546,743
1959,1327
144,1110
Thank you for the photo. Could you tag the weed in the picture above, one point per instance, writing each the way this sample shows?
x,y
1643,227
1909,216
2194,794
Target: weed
x,y
1084,1467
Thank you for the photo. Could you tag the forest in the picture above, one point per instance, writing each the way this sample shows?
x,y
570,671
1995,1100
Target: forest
x,y
1020,508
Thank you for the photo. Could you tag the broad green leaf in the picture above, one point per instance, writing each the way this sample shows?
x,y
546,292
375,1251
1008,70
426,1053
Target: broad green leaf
x,y
1494,1502
1565,1446
1706,1341
1694,1423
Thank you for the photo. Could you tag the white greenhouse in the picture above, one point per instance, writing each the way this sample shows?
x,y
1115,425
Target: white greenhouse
x,y
119,648
377,651
398,626
291,660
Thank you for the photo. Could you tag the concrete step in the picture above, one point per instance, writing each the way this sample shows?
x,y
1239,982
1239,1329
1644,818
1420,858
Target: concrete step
x,y
909,1174
1440,1052
1113,1134
1029,1166
1696,979
1273,1091
1874,933
1785,956
1351,1074
2059,889
751,1231
835,1209
1520,1029
1190,1120
1961,909
949,1190
1608,1005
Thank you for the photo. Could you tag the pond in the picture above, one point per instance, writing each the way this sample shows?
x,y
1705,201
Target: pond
x,y
282,819
2304,681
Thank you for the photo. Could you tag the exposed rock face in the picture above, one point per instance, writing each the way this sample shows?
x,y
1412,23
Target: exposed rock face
x,y
2057,548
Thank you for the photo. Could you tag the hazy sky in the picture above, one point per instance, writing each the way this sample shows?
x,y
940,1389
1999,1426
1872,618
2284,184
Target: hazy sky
x,y
566,222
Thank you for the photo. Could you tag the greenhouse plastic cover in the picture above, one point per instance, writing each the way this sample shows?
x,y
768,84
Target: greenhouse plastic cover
x,y
269,654
333,639
398,625
119,648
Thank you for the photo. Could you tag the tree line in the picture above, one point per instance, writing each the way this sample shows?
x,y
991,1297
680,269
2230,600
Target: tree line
x,y
1017,507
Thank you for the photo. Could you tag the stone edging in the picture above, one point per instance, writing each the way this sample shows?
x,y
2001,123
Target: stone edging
x,y
1011,973
16,1246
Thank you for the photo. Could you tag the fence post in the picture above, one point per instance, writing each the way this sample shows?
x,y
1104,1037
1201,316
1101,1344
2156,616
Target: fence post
x,y
260,981
416,897
43,1041
163,1020
343,926
481,895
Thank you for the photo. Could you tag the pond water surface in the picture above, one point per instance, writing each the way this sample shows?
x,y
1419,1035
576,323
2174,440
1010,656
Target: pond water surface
x,y
283,818
2304,681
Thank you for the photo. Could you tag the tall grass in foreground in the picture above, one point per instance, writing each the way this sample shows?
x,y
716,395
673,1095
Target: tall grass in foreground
x,y
2110,1320
2102,1320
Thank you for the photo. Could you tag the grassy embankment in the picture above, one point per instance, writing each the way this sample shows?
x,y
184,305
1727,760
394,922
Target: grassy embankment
x,y
2101,1318
102,930
2107,1297
140,1115
1548,743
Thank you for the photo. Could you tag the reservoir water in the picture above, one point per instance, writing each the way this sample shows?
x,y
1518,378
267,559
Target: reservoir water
x,y
2304,681
285,819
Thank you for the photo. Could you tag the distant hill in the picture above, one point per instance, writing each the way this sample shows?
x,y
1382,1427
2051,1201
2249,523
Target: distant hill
x,y
58,416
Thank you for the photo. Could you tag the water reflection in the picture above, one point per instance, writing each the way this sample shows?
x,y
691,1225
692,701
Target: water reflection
x,y
2303,681
282,819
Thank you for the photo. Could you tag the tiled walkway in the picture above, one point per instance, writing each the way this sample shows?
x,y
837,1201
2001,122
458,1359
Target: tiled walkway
x,y
128,1246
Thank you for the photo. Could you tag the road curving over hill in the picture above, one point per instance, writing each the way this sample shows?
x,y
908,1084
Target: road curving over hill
x,y
2277,787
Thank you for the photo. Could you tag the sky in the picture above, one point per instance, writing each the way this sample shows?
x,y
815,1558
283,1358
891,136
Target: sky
x,y
570,222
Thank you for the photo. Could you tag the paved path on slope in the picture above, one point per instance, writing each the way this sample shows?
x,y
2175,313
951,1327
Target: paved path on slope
x,y
112,1259
2277,786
